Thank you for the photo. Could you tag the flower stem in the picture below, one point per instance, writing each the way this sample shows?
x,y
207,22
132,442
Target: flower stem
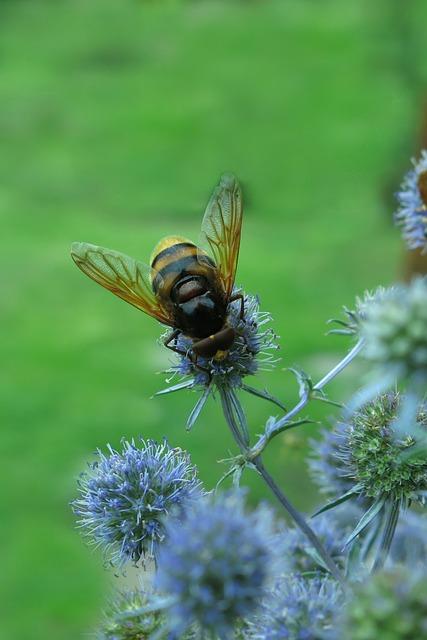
x,y
340,366
304,400
298,519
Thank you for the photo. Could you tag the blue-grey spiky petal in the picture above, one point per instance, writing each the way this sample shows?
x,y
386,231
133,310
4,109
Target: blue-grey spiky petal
x,y
411,214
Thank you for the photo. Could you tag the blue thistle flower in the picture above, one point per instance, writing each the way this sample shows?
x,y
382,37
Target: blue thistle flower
x,y
328,468
299,609
392,323
125,495
216,564
368,454
394,328
251,351
411,215
125,619
372,452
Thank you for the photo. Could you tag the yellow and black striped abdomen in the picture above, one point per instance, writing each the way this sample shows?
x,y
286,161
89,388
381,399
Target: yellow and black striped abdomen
x,y
175,257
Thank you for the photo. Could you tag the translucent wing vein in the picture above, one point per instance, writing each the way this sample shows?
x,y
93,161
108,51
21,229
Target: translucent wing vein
x,y
221,228
124,276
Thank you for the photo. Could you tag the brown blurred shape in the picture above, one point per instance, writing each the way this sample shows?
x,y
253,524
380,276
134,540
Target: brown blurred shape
x,y
416,261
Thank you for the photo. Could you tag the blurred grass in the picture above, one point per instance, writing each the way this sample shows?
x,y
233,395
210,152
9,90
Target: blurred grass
x,y
116,119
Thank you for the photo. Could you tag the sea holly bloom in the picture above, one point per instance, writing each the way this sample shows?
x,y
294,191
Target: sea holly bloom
x,y
125,495
216,565
354,317
368,453
327,467
411,215
299,609
252,350
394,328
392,325
137,614
371,450
126,618
392,604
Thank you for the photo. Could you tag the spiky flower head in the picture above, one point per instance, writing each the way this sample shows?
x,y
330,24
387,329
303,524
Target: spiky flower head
x,y
369,454
353,317
411,215
125,495
394,328
392,323
392,605
125,619
299,609
252,350
216,564
328,468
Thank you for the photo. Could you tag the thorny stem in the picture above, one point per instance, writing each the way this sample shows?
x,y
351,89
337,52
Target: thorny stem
x,y
340,366
232,418
298,519
280,425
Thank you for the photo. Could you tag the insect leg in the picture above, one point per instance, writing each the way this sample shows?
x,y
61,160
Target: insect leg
x,y
239,296
188,354
194,358
168,340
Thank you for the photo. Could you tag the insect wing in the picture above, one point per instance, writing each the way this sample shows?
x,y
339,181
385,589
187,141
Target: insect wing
x,y
221,228
122,275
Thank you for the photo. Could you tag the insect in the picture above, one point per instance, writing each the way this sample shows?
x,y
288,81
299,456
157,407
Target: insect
x,y
183,287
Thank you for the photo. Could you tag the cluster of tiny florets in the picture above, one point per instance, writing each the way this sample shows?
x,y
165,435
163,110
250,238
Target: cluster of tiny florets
x,y
125,619
299,609
216,564
391,605
252,349
368,453
394,329
125,495
328,468
411,215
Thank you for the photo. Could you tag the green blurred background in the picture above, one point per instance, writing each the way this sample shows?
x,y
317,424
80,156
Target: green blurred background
x,y
116,120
